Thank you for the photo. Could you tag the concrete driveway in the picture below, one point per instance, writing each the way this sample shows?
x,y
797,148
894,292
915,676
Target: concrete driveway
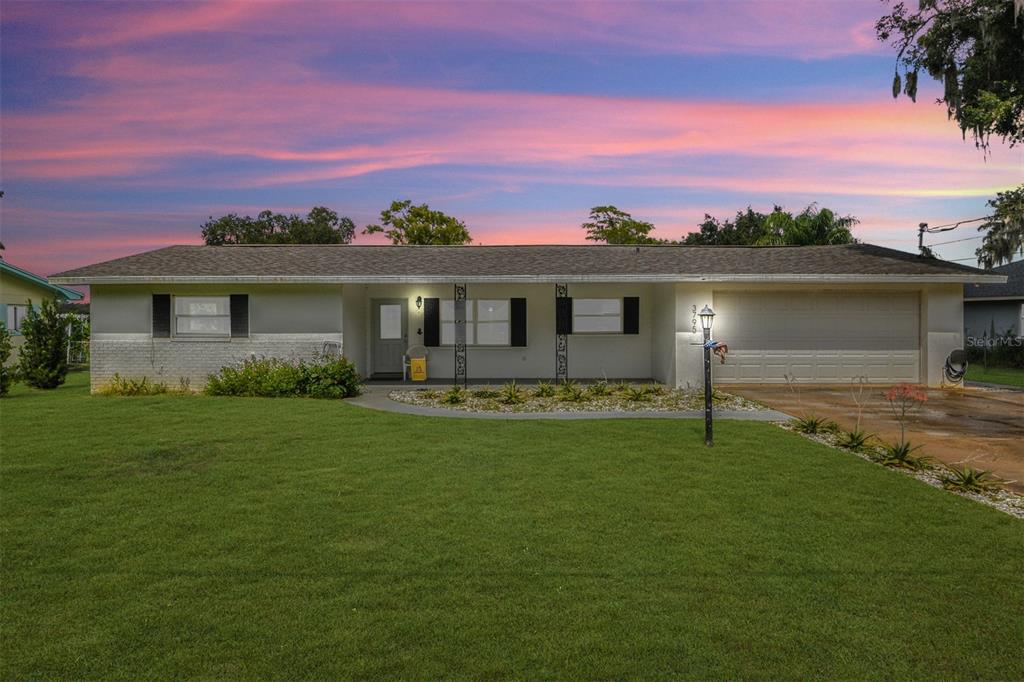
x,y
982,427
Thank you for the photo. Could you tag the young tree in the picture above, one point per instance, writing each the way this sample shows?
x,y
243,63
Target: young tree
x,y
975,48
1005,227
43,359
419,225
610,225
6,373
320,226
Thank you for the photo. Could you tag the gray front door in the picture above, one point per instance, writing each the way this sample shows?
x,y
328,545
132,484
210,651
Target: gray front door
x,y
389,335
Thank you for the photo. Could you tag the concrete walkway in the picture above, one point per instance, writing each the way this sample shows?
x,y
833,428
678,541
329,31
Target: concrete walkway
x,y
376,398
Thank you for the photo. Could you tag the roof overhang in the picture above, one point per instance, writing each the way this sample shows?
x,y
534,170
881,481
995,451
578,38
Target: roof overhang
x,y
966,278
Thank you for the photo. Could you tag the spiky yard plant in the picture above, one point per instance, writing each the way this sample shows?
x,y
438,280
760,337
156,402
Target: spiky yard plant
x,y
544,389
512,394
636,394
456,395
901,456
969,480
600,389
854,440
570,392
812,424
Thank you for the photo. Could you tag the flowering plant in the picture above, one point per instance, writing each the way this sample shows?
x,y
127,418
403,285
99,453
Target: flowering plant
x,y
904,400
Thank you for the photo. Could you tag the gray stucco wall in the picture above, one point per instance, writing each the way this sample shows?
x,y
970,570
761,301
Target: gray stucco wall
x,y
285,321
615,356
981,317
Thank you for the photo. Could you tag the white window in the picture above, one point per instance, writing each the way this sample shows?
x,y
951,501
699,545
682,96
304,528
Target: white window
x,y
15,316
202,316
487,322
596,316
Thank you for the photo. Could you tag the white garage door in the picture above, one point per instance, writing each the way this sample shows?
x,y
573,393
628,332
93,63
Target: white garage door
x,y
818,337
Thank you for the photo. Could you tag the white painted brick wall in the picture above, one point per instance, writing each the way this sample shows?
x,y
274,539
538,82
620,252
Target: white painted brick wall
x,y
169,361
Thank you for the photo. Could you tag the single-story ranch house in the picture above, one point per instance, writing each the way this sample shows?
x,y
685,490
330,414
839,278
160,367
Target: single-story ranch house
x,y
820,313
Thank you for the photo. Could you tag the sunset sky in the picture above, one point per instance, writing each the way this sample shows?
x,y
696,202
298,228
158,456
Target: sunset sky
x,y
125,125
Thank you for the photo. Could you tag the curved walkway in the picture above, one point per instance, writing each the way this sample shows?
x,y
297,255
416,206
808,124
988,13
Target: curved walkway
x,y
376,398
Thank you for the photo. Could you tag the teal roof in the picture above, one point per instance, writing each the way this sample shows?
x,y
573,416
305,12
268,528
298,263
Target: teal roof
x,y
58,291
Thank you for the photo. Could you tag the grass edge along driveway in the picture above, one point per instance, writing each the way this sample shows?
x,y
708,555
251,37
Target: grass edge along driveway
x,y
1005,376
259,538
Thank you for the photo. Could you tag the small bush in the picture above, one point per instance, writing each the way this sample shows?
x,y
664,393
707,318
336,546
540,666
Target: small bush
x,y
600,389
814,425
43,358
901,456
654,389
429,394
969,480
333,377
854,440
512,394
544,389
6,373
120,385
456,395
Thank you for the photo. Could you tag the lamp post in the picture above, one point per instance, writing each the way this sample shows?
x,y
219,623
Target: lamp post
x,y
707,318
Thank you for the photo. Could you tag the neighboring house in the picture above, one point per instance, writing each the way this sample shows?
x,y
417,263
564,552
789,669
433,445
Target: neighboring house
x,y
996,309
820,313
17,288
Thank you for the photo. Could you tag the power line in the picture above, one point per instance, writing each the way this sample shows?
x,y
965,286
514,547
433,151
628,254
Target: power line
x,y
954,241
952,226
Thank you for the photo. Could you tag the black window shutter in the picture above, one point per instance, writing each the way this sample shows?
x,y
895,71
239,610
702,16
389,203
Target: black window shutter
x,y
431,322
161,316
518,320
631,315
563,315
239,315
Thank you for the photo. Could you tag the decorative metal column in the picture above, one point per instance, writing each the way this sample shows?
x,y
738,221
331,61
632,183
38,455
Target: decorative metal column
x,y
460,335
708,435
561,340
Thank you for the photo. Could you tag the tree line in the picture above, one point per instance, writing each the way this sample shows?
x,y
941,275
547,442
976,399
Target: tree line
x,y
404,223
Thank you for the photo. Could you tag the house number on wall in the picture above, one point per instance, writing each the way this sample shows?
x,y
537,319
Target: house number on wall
x,y
693,322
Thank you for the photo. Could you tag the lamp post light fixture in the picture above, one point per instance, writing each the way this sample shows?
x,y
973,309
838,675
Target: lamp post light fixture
x,y
419,302
707,318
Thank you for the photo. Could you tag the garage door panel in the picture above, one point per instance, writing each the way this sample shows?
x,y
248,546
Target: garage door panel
x,y
818,336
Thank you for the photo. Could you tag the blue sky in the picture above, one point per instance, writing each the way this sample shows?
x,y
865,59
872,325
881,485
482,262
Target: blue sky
x,y
126,124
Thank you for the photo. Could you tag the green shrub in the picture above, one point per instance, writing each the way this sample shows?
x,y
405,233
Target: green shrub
x,y
901,456
43,359
600,389
654,389
6,373
512,394
120,385
969,480
814,425
544,389
456,395
331,377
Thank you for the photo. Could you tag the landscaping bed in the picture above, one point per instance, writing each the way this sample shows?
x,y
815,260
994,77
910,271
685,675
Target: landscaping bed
x,y
570,397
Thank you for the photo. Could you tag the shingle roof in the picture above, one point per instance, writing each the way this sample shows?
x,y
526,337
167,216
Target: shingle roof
x,y
341,263
1013,288
58,291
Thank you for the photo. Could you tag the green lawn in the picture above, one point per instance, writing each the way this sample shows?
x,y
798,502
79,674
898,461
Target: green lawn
x,y
261,538
1007,376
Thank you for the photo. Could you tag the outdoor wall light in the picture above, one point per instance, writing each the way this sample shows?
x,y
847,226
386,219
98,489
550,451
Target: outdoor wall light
x,y
419,302
707,318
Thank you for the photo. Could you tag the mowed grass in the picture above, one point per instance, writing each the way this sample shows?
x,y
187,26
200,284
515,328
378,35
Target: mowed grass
x,y
1008,376
260,538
